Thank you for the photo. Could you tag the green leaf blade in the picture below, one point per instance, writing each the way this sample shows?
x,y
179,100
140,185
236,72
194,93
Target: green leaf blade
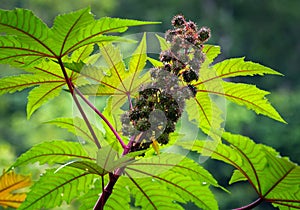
x,y
78,127
23,23
172,178
12,84
239,67
66,29
138,61
40,95
251,97
51,153
54,187
120,199
211,52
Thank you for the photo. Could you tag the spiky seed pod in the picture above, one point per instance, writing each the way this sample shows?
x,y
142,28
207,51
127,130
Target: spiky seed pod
x,y
168,67
178,21
143,124
204,34
191,25
189,76
166,56
170,35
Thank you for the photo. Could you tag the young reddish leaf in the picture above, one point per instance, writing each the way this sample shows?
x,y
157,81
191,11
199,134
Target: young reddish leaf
x,y
9,183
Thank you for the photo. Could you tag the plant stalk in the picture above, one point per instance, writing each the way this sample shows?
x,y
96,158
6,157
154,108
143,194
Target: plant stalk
x,y
71,88
251,205
124,146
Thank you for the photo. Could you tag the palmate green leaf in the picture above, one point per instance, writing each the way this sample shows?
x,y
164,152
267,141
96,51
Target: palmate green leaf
x,y
87,166
167,179
114,79
239,67
78,127
12,84
19,53
40,95
23,23
274,178
46,77
211,52
54,187
52,152
246,95
29,37
150,194
120,197
89,199
164,45
277,177
242,94
26,39
67,28
79,28
204,110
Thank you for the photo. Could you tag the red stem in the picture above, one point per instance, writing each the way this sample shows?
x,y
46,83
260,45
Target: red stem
x,y
71,88
251,205
124,146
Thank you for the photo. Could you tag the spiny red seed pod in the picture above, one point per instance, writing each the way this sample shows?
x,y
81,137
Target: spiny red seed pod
x,y
189,76
191,25
168,67
166,56
204,34
178,21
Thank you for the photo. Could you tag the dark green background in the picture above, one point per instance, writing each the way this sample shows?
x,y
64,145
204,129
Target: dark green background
x,y
265,31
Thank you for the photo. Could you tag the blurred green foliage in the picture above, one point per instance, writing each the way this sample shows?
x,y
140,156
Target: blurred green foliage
x,y
265,31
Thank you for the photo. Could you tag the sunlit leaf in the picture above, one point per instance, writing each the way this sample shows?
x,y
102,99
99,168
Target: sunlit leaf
x,y
211,52
78,127
274,178
247,95
178,180
29,37
40,95
238,67
114,79
53,152
10,183
54,187
164,45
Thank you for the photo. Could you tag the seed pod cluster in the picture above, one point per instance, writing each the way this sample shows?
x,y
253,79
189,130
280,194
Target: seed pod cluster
x,y
180,63
185,54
